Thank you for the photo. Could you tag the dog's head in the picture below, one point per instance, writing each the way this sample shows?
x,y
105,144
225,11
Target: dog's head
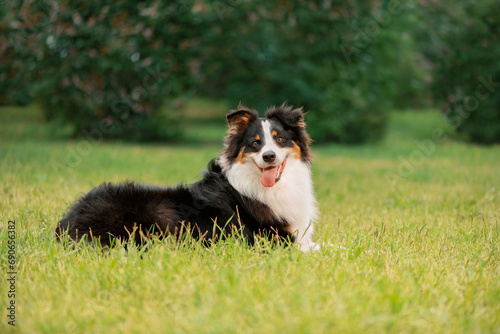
x,y
264,147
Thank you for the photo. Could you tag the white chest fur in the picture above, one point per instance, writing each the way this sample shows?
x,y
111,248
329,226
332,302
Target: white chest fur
x,y
292,198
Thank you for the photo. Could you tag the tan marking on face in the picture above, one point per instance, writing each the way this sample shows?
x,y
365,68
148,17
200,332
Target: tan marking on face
x,y
296,150
257,137
241,156
275,133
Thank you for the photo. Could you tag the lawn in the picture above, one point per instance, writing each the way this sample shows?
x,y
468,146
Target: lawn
x,y
414,222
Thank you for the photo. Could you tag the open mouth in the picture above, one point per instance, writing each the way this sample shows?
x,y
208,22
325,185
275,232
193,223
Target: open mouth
x,y
271,175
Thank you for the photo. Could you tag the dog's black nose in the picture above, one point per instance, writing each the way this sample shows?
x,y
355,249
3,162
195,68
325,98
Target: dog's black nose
x,y
269,156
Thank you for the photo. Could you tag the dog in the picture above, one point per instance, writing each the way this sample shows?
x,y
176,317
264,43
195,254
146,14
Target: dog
x,y
259,186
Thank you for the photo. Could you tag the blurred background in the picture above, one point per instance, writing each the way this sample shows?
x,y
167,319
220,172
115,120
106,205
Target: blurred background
x,y
146,70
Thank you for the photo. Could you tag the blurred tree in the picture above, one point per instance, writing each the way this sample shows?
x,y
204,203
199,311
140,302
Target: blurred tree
x,y
107,68
462,40
341,60
14,88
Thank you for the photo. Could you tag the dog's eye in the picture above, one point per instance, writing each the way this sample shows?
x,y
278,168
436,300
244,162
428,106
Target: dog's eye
x,y
255,143
280,139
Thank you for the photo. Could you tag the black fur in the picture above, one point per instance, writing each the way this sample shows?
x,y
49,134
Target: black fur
x,y
208,209
293,120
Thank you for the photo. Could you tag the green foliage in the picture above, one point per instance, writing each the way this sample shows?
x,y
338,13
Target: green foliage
x,y
108,67
329,56
13,76
13,82
466,53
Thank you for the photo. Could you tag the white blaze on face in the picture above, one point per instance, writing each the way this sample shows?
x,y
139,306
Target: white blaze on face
x,y
270,145
271,171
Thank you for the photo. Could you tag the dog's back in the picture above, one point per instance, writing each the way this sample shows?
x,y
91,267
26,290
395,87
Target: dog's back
x,y
208,210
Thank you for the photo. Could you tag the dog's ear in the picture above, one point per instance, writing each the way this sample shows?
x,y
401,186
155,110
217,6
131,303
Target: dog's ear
x,y
240,118
293,118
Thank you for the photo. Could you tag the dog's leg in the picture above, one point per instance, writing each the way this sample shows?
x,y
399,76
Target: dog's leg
x,y
304,239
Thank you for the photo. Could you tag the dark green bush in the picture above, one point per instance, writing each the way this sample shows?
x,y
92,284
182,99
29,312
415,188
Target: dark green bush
x,y
335,58
110,67
14,87
106,66
465,50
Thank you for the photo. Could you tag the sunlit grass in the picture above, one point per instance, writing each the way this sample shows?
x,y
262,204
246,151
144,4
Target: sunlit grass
x,y
415,247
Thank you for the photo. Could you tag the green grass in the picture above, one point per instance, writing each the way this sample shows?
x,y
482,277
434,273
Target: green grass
x,y
416,242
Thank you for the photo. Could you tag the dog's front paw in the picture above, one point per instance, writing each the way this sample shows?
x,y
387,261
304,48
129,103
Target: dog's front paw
x,y
317,246
314,247
311,247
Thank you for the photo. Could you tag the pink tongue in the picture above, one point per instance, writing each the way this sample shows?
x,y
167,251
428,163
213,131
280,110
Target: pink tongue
x,y
269,176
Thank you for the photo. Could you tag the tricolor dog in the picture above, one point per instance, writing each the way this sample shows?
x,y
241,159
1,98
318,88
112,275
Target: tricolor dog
x,y
259,186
